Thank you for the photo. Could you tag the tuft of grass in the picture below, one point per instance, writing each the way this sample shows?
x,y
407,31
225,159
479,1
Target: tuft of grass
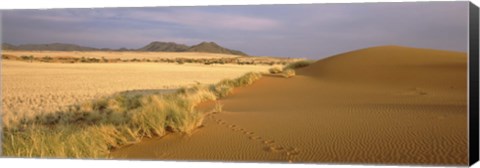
x,y
288,73
61,142
92,129
218,107
27,58
298,64
275,70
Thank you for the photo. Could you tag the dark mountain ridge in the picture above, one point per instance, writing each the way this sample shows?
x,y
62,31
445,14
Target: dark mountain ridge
x,y
164,46
212,47
156,46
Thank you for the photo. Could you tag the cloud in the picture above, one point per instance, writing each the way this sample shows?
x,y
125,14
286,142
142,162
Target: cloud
x,y
206,20
182,17
44,15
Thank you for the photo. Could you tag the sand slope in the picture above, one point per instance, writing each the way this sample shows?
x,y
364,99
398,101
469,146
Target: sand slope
x,y
394,65
378,105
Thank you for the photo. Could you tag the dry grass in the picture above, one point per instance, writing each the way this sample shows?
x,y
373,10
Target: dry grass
x,y
298,64
136,56
275,70
288,73
32,88
91,128
218,107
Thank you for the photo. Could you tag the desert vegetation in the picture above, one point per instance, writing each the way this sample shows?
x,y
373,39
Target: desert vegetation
x,y
93,128
275,70
74,110
205,61
32,88
298,64
289,70
288,73
155,57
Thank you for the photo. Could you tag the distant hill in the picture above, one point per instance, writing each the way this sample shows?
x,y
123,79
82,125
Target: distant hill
x,y
6,46
49,47
156,46
164,46
212,47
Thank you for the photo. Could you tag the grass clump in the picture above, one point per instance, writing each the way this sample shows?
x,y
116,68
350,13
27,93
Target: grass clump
x,y
298,64
275,70
27,58
218,108
92,129
288,73
66,141
225,87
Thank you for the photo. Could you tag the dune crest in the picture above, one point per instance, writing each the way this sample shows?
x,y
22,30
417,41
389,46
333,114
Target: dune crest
x,y
393,65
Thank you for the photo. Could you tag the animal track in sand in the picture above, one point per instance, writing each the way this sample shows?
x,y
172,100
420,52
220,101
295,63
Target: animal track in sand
x,y
268,141
248,133
289,153
255,137
274,149
221,122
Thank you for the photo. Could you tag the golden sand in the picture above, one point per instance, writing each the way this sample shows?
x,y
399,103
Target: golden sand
x,y
392,105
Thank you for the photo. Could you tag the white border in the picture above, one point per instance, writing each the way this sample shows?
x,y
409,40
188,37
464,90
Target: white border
x,y
48,4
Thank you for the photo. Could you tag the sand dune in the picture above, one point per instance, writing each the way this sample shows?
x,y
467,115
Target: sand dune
x,y
394,65
377,105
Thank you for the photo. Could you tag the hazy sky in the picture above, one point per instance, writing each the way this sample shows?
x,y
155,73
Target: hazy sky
x,y
312,31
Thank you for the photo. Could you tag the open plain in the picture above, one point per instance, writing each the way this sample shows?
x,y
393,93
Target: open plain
x,y
30,88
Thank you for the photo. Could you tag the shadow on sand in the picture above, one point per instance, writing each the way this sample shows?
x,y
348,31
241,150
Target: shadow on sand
x,y
274,75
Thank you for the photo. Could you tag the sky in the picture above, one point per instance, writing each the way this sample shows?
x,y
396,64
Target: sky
x,y
312,31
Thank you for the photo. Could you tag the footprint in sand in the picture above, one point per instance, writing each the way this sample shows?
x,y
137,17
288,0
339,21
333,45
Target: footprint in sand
x,y
268,142
291,151
274,149
255,137
248,133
